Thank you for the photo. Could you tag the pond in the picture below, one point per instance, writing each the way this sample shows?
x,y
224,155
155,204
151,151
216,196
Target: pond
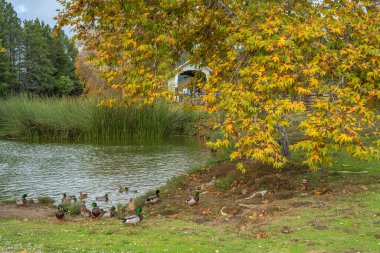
x,y
52,169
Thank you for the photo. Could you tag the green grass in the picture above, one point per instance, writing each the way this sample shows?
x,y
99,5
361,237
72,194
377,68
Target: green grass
x,y
224,183
82,118
45,200
340,225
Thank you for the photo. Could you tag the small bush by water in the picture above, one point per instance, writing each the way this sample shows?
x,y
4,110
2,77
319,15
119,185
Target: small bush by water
x,y
83,119
45,200
74,208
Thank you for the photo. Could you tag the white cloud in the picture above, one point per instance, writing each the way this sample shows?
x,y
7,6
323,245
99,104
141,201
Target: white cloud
x,y
21,9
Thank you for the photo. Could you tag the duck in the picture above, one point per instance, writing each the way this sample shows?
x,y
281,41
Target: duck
x,y
84,211
134,219
154,198
122,189
103,198
131,206
66,200
61,212
82,196
22,202
126,189
194,200
95,212
111,213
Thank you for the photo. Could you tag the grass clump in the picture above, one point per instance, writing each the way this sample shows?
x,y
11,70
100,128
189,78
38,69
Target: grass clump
x,y
74,208
45,200
224,183
176,182
195,170
8,201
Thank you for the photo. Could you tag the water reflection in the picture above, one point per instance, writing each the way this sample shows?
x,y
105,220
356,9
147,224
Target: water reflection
x,y
52,169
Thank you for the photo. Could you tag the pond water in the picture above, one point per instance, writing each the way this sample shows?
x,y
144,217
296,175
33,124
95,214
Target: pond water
x,y
52,169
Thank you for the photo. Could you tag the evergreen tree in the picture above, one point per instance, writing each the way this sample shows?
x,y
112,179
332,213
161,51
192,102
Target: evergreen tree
x,y
6,77
10,35
37,68
32,60
63,57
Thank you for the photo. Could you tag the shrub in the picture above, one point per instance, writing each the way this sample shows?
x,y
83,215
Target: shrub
x,y
45,200
74,208
224,183
176,182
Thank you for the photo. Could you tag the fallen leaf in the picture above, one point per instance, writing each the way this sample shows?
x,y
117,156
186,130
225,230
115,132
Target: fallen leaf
x,y
347,192
261,235
206,212
364,187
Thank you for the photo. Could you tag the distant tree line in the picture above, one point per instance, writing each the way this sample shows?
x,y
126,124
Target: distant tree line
x,y
32,60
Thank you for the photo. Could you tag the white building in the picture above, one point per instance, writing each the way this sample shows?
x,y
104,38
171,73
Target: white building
x,y
184,72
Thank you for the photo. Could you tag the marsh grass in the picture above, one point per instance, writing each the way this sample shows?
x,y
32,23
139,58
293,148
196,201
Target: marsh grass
x,y
84,119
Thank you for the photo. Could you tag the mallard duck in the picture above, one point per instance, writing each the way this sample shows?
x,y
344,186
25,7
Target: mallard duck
x,y
66,200
84,211
122,189
61,212
131,206
103,198
95,212
126,189
22,202
134,219
82,196
111,213
194,200
153,199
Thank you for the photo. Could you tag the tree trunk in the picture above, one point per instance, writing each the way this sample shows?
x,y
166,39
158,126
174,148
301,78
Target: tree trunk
x,y
283,140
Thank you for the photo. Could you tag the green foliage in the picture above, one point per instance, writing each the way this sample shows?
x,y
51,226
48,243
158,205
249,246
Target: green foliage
x,y
224,183
140,201
45,200
83,118
9,201
10,49
74,208
65,85
176,182
33,60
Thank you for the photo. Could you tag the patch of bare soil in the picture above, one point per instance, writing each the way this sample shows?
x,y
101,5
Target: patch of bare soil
x,y
29,212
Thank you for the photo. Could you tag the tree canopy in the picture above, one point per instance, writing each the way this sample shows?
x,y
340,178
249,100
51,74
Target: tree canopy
x,y
31,60
265,56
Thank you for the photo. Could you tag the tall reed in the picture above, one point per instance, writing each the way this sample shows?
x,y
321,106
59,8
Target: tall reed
x,y
82,118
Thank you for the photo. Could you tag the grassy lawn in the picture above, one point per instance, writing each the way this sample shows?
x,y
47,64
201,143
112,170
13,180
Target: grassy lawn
x,y
351,224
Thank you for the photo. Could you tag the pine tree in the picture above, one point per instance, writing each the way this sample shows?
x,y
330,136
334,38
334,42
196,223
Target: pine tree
x,y
37,68
10,35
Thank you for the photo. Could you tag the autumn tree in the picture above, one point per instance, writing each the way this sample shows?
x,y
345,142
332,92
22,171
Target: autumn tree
x,y
266,56
88,75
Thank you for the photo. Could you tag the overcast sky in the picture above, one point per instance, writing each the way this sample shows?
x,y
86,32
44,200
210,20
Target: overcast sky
x,y
44,10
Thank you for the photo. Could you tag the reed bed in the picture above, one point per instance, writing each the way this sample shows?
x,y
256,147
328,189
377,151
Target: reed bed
x,y
84,119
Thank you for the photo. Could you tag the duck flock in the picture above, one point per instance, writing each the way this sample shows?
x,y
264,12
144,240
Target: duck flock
x,y
97,212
